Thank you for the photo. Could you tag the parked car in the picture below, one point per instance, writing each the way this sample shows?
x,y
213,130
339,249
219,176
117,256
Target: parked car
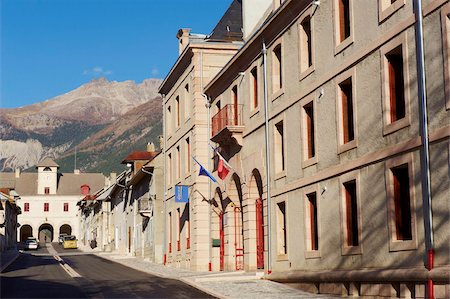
x,y
70,242
61,238
31,244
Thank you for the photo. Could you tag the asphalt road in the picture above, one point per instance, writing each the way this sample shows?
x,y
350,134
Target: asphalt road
x,y
37,274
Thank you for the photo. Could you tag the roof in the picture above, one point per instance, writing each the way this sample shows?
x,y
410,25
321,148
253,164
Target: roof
x,y
68,183
139,155
229,28
47,162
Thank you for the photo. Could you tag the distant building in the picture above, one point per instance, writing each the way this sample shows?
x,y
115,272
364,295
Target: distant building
x,y
49,200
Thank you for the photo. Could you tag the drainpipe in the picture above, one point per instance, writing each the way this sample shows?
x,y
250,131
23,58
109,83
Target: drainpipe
x,y
425,146
165,181
266,114
208,136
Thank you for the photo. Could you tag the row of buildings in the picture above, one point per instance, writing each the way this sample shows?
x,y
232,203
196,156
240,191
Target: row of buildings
x,y
321,166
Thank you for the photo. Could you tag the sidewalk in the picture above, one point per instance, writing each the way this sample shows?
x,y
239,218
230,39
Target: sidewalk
x,y
7,257
222,285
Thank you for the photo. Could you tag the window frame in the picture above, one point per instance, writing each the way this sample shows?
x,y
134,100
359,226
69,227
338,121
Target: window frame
x,y
177,112
282,239
277,85
26,207
46,207
254,99
343,147
394,244
309,253
303,73
445,20
178,162
279,173
388,126
187,150
386,9
66,207
187,102
306,160
339,45
346,178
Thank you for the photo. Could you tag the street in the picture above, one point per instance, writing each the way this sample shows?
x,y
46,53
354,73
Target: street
x,y
52,272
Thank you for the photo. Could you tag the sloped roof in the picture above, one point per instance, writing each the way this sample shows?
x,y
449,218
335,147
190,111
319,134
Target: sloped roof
x,y
229,28
68,183
47,162
140,155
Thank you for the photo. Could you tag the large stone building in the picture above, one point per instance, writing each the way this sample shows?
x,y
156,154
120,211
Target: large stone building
x,y
187,233
346,211
48,200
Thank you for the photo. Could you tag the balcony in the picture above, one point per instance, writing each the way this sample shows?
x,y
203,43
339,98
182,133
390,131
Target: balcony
x,y
145,207
227,125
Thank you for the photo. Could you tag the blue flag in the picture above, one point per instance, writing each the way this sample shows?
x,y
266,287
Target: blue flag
x,y
204,172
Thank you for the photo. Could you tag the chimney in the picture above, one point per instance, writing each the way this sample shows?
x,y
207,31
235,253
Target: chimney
x,y
161,142
150,147
183,39
17,173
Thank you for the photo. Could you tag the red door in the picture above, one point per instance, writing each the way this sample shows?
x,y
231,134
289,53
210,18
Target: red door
x,y
259,234
222,241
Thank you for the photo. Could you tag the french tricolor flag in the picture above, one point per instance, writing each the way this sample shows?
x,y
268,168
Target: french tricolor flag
x,y
223,168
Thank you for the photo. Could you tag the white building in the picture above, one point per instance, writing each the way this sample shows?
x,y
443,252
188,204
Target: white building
x,y
49,198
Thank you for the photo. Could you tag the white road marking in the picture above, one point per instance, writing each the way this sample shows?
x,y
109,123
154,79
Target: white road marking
x,y
63,264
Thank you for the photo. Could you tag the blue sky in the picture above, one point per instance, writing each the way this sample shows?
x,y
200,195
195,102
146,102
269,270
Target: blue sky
x,y
49,47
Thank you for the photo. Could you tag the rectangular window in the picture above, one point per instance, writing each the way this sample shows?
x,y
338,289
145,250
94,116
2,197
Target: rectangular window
x,y
179,230
169,120
279,147
178,163
234,93
306,59
400,184
188,155
313,227
344,19
170,232
188,229
66,207
445,23
254,87
351,214
187,102
26,207
277,69
169,173
388,7
309,130
397,105
46,207
402,203
281,228
348,132
177,108
47,190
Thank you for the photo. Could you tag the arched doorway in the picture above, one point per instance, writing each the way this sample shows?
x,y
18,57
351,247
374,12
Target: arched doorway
x,y
234,230
255,198
65,229
25,232
45,233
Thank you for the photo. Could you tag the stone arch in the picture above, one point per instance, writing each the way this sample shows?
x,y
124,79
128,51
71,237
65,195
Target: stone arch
x,y
46,233
65,229
25,231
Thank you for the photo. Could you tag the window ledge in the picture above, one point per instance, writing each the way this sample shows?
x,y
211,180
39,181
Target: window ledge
x,y
383,14
312,254
282,257
402,245
351,250
397,125
277,94
343,45
347,146
309,162
280,175
306,73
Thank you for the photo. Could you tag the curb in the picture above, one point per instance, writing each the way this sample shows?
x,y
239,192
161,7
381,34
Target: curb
x,y
6,265
201,288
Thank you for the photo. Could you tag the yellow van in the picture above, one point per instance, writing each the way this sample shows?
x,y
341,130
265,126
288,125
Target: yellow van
x,y
70,242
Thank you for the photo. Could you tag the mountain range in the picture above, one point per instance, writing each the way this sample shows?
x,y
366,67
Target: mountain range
x,y
91,128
